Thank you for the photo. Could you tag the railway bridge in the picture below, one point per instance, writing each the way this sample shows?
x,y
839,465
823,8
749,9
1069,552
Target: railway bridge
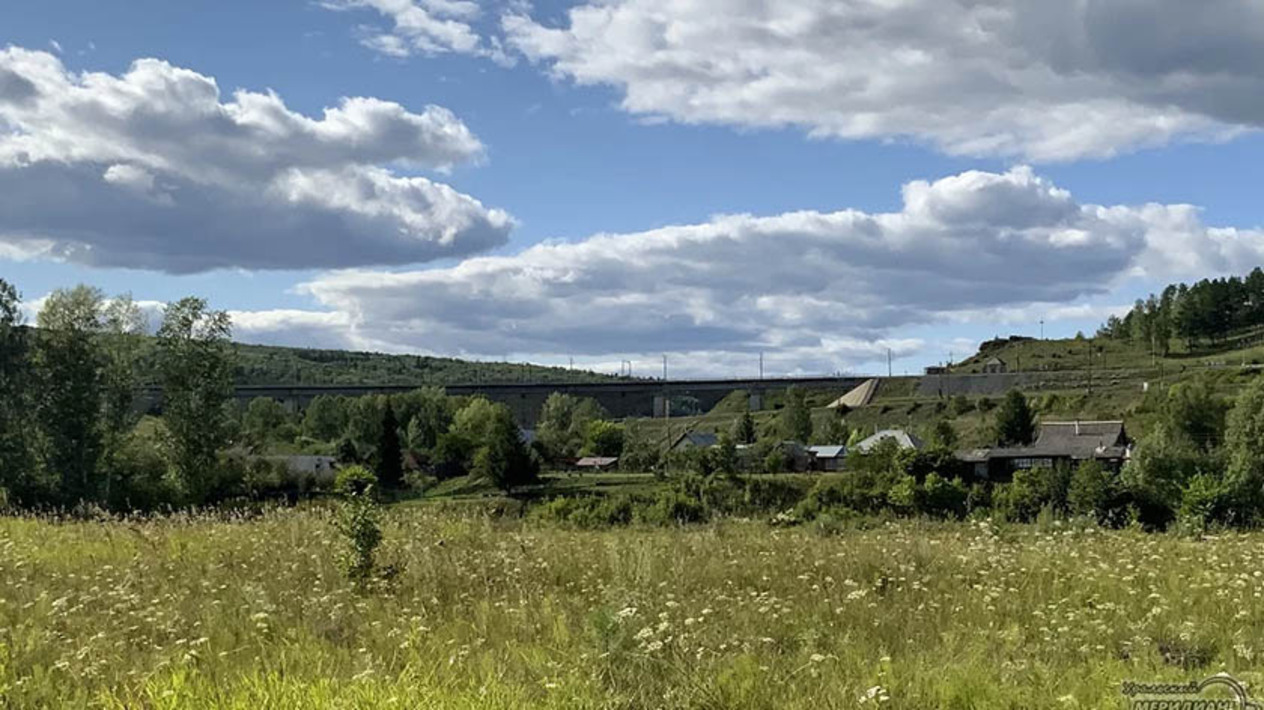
x,y
621,398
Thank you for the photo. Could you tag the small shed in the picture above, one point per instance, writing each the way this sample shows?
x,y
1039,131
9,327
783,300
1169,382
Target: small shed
x,y
828,458
995,366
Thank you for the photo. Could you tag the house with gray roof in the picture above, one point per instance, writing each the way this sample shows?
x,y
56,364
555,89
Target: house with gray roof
x,y
1056,444
695,440
903,439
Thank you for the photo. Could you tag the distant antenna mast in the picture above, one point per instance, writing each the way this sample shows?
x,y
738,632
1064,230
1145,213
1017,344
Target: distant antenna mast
x,y
761,365
888,362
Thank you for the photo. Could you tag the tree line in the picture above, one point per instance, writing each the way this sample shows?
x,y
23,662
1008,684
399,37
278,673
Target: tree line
x,y
68,393
72,433
1203,313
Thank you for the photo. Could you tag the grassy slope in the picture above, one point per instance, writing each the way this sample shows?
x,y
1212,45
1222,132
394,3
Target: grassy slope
x,y
494,613
1120,369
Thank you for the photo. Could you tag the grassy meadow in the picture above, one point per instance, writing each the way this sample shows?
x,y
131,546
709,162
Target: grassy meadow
x,y
488,612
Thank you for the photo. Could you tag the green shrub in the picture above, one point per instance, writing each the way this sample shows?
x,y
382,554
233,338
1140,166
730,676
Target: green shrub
x,y
358,523
354,480
1093,491
1204,502
903,495
860,491
1033,489
943,497
673,507
589,512
979,498
961,405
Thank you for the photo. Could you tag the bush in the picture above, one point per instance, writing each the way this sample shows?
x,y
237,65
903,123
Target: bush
x,y
674,507
979,498
961,405
943,497
589,513
358,524
1092,491
861,492
1156,477
1033,489
775,461
138,477
354,480
903,495
1204,502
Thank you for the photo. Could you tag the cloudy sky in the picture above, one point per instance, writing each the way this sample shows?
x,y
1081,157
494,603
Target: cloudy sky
x,y
820,181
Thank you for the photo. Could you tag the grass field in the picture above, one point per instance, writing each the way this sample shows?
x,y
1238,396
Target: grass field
x,y
501,613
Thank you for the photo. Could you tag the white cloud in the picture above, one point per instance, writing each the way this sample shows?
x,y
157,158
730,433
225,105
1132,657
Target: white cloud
x,y
1030,78
426,27
817,291
153,169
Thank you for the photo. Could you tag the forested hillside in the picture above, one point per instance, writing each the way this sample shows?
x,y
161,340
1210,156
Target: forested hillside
x,y
1211,313
262,364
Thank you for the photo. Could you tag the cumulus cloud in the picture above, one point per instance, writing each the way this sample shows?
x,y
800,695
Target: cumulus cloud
x,y
153,169
1029,78
426,27
818,291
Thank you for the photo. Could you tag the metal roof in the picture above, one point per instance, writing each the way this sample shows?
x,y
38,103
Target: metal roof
x,y
597,461
828,452
903,438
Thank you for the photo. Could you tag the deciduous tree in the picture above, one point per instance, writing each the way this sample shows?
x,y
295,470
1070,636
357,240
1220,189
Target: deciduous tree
x,y
796,418
70,364
195,364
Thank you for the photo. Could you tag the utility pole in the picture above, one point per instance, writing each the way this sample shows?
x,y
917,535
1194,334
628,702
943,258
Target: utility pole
x,y
1090,370
1042,328
888,362
761,364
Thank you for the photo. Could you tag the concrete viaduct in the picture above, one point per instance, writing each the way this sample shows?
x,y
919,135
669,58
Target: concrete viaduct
x,y
623,398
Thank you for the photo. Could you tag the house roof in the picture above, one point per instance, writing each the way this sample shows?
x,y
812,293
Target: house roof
x,y
1076,440
597,461
994,360
828,452
901,437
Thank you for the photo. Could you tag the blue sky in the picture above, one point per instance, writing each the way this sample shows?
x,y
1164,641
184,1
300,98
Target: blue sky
x,y
590,121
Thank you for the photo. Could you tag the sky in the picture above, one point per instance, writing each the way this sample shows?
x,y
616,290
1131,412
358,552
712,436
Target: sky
x,y
822,182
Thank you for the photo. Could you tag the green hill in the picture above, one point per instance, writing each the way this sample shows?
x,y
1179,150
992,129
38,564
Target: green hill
x,y
263,364
1125,382
272,365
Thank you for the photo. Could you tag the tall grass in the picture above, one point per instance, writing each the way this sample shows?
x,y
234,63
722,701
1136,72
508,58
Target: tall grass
x,y
193,612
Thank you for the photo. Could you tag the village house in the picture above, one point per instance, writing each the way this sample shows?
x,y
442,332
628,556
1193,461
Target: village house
x,y
903,439
1056,444
828,458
